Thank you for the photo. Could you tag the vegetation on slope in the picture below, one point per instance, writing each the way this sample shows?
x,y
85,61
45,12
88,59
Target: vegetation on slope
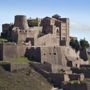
x,y
3,40
26,79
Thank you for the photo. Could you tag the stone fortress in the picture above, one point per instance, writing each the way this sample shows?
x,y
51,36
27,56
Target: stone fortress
x,y
43,40
46,40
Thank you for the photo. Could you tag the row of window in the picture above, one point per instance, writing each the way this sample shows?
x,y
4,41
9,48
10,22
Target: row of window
x,y
49,54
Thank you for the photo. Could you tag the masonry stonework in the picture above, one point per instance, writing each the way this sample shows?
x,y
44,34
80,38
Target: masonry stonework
x,y
45,40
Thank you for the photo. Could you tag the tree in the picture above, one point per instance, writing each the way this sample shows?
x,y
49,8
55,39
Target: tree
x,y
80,46
75,44
84,43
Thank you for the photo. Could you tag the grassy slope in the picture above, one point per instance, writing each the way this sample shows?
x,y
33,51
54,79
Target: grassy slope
x,y
22,80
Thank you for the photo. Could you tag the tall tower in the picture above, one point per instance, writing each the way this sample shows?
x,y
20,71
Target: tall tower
x,y
64,31
21,22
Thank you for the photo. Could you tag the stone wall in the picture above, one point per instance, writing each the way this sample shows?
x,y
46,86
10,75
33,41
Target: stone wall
x,y
8,51
76,77
6,30
14,36
14,67
64,31
47,40
21,22
53,55
1,51
84,70
61,55
20,36
21,50
75,86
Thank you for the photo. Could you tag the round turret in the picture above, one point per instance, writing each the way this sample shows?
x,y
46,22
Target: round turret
x,y
21,22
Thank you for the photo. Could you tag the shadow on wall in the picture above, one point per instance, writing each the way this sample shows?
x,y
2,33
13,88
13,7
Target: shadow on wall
x,y
83,54
33,54
75,86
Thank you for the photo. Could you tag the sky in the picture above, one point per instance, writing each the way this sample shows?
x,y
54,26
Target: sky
x,y
76,10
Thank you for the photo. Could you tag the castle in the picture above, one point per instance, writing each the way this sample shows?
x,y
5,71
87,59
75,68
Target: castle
x,y
45,40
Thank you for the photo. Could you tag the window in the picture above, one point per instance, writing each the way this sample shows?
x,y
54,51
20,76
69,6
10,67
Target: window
x,y
44,54
54,53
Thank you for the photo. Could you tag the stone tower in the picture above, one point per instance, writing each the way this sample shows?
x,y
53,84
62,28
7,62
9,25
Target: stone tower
x,y
21,22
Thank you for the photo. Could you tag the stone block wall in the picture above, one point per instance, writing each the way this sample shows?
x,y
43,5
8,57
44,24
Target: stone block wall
x,y
14,67
58,78
47,40
76,77
53,55
75,86
21,50
8,51
1,51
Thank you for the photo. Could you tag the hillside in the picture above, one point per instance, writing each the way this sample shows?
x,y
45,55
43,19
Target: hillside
x,y
26,79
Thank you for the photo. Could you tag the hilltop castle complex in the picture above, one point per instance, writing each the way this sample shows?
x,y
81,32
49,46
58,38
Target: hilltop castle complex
x,y
45,40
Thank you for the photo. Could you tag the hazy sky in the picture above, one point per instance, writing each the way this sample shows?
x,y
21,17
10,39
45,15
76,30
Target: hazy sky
x,y
77,10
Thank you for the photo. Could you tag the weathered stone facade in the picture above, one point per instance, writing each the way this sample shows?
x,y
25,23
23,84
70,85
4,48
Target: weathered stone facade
x,y
47,42
58,27
8,51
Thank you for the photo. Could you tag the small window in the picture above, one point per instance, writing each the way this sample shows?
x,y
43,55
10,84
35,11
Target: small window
x,y
54,53
44,54
76,65
63,38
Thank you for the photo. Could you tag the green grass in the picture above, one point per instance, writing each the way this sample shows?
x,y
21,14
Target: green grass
x,y
20,80
3,40
4,62
17,60
20,60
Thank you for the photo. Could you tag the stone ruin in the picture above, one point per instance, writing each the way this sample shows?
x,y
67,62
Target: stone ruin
x,y
46,41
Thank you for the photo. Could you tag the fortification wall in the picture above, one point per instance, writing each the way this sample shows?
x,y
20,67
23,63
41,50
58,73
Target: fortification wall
x,y
53,55
22,35
75,86
21,50
47,40
21,22
61,55
14,36
14,67
1,51
8,51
